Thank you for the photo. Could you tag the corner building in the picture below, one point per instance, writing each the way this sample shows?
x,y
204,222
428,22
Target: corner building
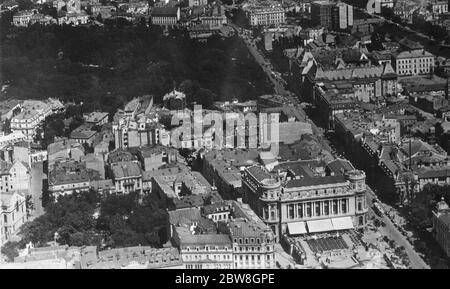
x,y
308,204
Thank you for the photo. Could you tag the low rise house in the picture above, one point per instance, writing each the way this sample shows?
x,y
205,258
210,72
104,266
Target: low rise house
x,y
127,177
64,149
83,134
153,157
71,176
13,213
96,118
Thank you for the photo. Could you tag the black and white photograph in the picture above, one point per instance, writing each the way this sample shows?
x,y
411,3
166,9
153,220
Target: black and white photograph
x,y
275,135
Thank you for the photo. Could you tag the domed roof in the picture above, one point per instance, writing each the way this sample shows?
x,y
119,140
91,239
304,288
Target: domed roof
x,y
442,205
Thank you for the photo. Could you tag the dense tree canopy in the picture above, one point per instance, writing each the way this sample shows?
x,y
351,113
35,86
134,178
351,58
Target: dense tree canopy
x,y
105,66
90,219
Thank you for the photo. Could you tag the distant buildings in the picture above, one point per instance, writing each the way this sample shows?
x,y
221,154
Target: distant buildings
x,y
402,166
88,257
70,12
30,17
438,7
441,225
193,3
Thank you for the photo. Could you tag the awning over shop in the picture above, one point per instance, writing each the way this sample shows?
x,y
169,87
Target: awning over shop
x,y
342,223
297,228
323,225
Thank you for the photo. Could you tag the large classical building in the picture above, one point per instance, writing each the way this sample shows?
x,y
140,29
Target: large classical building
x,y
165,16
413,62
266,16
307,204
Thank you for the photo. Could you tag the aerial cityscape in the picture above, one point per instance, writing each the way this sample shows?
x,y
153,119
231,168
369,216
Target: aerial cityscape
x,y
224,134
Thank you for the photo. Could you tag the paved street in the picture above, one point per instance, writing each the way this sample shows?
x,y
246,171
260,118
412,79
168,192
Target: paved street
x,y
265,65
37,175
279,84
394,234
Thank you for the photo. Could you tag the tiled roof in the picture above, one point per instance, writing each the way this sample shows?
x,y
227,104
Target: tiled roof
x,y
126,170
205,239
306,182
184,216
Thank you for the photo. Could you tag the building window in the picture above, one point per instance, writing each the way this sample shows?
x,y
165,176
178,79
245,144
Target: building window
x,y
361,220
300,210
360,204
335,207
317,205
291,211
344,206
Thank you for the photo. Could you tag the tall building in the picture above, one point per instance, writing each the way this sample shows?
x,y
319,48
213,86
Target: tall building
x,y
321,12
332,15
342,16
441,225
